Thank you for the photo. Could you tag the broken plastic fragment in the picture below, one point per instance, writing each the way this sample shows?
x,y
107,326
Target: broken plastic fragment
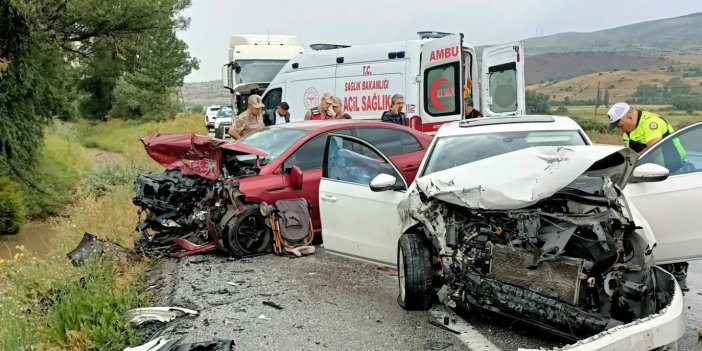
x,y
139,316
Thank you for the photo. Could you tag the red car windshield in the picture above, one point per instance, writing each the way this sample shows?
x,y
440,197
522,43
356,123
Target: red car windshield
x,y
274,141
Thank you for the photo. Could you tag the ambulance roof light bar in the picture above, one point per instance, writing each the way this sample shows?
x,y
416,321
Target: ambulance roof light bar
x,y
318,47
432,34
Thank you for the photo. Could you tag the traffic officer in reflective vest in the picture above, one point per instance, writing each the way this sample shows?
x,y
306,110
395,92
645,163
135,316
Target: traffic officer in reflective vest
x,y
641,130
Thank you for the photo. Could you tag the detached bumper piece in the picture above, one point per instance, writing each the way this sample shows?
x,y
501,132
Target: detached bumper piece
x,y
163,344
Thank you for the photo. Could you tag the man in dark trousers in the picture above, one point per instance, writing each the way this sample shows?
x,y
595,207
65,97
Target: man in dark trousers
x,y
395,114
278,115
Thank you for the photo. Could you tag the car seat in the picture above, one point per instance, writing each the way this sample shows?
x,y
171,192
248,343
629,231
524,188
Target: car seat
x,y
291,223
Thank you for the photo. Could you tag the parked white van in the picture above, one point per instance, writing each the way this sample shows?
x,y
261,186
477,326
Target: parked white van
x,y
434,74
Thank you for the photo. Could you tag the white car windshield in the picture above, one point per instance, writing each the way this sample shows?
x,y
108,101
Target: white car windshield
x,y
457,150
274,141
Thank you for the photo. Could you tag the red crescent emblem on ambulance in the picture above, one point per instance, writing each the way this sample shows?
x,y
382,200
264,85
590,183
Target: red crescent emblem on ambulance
x,y
435,93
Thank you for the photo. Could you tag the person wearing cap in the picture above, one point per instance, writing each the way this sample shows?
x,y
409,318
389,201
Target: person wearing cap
x,y
248,121
640,131
643,129
469,111
322,111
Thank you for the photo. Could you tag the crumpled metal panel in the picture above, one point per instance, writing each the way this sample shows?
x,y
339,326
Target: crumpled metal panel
x,y
521,178
193,154
91,245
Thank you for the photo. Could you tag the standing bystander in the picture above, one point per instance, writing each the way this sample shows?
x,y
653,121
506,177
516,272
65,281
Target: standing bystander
x,y
248,121
395,114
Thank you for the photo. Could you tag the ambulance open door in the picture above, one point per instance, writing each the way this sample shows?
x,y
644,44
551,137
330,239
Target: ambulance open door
x,y
502,84
442,79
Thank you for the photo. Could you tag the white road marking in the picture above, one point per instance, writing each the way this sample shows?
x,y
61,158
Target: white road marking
x,y
468,335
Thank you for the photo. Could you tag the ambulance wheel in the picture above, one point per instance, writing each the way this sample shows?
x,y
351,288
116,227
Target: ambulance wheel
x,y
246,234
414,273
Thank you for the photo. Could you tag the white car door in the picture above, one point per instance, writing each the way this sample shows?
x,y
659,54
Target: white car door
x,y
359,220
672,206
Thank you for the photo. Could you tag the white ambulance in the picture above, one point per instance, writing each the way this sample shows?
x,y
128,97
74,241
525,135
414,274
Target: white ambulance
x,y
434,74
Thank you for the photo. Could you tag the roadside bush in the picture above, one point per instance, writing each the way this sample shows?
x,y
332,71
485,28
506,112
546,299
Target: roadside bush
x,y
592,126
561,110
89,314
12,211
54,175
105,179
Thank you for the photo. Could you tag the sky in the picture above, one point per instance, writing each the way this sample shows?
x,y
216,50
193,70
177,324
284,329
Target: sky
x,y
358,22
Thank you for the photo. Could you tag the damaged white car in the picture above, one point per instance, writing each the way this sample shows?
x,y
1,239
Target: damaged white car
x,y
518,216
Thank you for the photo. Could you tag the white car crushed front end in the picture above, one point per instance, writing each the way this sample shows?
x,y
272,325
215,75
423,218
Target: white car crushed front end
x,y
545,235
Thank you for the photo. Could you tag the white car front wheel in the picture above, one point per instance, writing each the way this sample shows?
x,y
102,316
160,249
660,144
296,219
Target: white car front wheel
x,y
414,273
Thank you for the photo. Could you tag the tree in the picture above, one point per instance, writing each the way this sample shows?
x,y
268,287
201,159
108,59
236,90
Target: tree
x,y
598,99
149,89
537,103
48,45
605,99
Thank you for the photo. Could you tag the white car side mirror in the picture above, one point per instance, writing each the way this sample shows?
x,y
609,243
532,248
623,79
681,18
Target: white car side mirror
x,y
649,172
383,182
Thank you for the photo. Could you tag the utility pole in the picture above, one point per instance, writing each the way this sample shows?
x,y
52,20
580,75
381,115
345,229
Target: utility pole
x,y
182,100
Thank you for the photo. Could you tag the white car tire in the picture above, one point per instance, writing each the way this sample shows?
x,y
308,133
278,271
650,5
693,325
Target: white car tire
x,y
414,273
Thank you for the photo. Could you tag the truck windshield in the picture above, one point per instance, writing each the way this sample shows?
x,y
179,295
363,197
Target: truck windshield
x,y
258,71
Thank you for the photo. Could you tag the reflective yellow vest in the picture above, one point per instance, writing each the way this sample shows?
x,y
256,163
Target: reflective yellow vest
x,y
651,126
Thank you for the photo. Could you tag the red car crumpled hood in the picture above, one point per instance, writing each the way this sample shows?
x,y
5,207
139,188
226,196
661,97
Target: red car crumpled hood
x,y
193,154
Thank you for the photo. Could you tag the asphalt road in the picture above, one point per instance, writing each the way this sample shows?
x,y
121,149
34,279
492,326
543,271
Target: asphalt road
x,y
329,302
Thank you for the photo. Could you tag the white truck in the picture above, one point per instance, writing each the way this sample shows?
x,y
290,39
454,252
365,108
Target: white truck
x,y
434,73
253,62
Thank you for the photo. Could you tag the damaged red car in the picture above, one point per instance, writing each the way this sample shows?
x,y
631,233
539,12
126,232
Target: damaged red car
x,y
208,197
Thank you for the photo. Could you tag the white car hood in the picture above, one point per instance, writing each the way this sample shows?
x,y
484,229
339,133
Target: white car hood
x,y
521,178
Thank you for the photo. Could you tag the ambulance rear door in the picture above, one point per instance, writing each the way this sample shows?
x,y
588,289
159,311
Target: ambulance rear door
x,y
441,88
502,80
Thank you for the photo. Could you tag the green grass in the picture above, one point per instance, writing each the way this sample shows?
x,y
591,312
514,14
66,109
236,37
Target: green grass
x,y
123,137
88,315
55,174
92,309
595,125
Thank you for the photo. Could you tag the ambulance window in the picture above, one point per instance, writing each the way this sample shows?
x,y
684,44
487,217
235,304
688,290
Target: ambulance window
x,y
441,84
272,99
503,87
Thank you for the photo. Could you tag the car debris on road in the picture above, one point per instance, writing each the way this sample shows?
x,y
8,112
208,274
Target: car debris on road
x,y
164,344
142,315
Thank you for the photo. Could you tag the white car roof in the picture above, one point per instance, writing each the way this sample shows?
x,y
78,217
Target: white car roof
x,y
507,124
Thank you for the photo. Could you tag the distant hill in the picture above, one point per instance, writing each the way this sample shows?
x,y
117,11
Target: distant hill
x,y
621,84
564,65
646,45
665,35
572,61
205,93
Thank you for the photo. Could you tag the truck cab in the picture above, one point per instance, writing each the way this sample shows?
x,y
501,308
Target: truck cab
x,y
435,74
254,60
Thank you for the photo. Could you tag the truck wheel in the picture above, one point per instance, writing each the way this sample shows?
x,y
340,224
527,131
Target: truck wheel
x,y
414,273
246,234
